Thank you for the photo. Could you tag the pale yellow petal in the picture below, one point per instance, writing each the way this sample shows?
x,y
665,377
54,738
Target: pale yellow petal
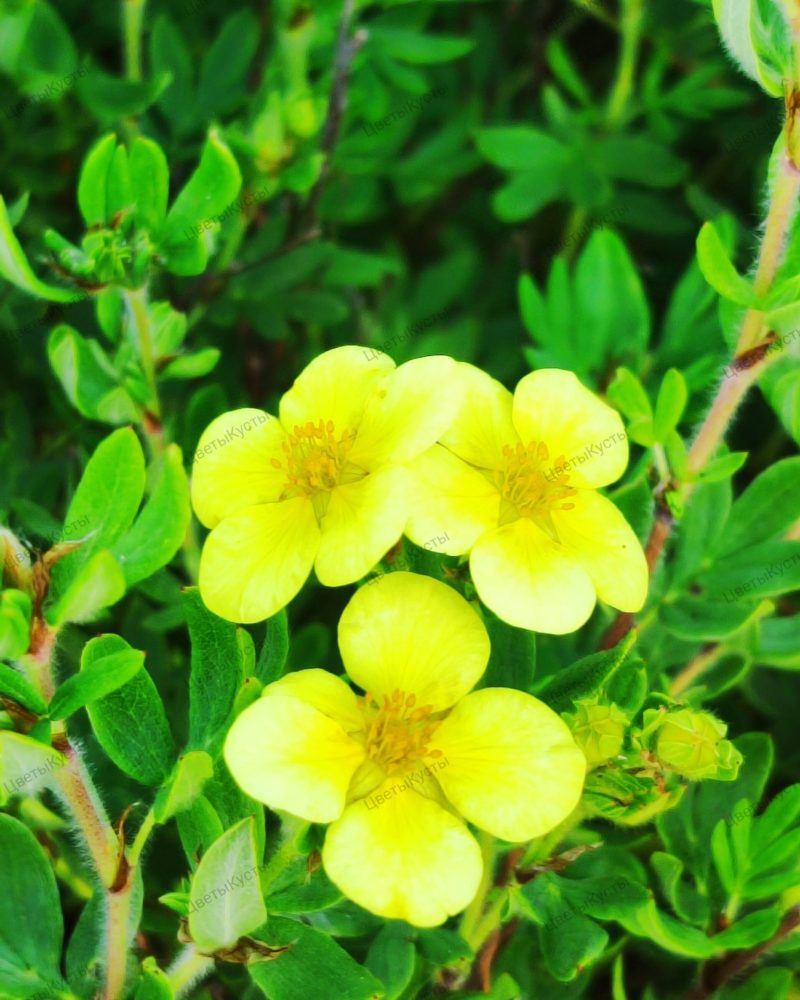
x,y
454,504
413,633
335,386
255,561
408,412
325,691
231,468
606,546
405,858
585,437
287,754
362,522
530,581
483,424
512,766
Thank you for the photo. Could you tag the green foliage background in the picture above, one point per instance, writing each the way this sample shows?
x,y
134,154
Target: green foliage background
x,y
515,183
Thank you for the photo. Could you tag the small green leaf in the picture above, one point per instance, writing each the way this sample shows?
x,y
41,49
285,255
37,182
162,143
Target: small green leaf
x,y
98,583
672,398
698,618
217,671
154,984
198,826
585,678
191,772
718,270
26,765
13,685
149,178
99,676
722,467
628,394
194,365
130,723
14,266
226,901
274,650
311,958
160,529
93,182
391,959
768,506
88,377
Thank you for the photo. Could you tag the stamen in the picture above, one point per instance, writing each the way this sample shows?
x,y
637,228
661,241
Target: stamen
x,y
531,487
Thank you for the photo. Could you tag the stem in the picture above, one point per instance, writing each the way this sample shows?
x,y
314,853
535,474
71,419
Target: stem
x,y
631,25
695,669
141,838
188,968
132,17
117,939
471,918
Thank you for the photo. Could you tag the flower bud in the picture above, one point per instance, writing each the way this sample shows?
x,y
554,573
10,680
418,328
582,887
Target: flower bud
x,y
691,744
599,730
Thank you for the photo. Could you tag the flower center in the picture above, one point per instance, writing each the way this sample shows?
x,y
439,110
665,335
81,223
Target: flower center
x,y
531,487
315,462
398,733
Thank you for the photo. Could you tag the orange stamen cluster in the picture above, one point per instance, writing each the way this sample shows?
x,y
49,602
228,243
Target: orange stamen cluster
x,y
530,486
314,459
398,733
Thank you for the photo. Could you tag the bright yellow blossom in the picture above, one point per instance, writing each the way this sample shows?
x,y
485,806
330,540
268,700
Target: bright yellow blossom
x,y
322,485
397,771
514,483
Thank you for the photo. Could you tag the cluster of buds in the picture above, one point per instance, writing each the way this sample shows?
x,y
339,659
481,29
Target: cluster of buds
x,y
637,772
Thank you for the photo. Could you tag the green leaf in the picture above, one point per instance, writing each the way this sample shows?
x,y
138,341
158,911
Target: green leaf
x,y
311,958
93,182
766,984
154,984
88,377
14,266
130,723
718,270
274,650
160,529
99,676
698,618
672,398
764,570
512,662
585,678
98,583
13,685
415,47
217,670
224,69
628,394
192,365
208,192
226,901
191,772
391,959
722,467
768,507
748,931
522,149
106,501
198,826
31,927
149,177
26,765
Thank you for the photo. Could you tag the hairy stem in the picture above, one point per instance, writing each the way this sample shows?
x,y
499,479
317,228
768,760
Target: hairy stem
x,y
132,17
187,969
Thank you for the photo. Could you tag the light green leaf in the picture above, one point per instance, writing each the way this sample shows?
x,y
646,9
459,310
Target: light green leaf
x,y
225,895
718,270
159,530
274,650
13,685
14,266
768,506
26,765
672,398
97,584
149,177
185,784
93,182
154,984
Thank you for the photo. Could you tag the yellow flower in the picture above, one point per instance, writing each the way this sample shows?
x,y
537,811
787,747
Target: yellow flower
x,y
514,483
322,485
398,771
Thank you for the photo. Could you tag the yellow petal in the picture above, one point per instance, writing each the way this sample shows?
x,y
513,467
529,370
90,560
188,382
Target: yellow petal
x,y
530,581
334,386
284,752
416,634
513,768
404,857
585,437
256,560
408,412
231,467
362,522
483,424
326,692
607,548
454,504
